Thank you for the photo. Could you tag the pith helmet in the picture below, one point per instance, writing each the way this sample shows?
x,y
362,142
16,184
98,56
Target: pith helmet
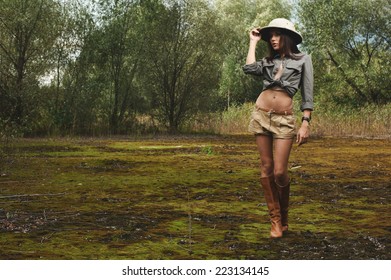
x,y
281,23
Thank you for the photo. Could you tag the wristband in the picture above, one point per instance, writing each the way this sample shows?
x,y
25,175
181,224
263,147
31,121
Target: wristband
x,y
306,119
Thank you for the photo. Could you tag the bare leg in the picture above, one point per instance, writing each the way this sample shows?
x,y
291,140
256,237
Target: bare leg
x,y
281,157
282,149
270,190
265,149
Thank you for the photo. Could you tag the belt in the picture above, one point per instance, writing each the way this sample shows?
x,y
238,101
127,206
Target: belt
x,y
272,111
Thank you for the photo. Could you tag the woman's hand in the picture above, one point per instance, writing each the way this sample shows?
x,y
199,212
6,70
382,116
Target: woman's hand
x,y
255,35
254,39
303,133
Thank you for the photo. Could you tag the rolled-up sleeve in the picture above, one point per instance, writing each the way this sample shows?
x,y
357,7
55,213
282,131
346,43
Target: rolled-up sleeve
x,y
253,68
307,85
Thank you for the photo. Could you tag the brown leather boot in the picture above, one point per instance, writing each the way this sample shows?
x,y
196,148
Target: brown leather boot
x,y
271,196
284,204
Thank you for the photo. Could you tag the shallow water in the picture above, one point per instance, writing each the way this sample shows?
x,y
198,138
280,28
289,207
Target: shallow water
x,y
190,198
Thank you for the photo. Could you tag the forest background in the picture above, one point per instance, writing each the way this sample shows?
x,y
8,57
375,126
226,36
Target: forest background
x,y
122,67
90,90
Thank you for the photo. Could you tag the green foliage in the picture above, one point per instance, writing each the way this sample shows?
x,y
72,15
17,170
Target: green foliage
x,y
99,93
28,32
207,150
350,44
182,60
121,67
119,54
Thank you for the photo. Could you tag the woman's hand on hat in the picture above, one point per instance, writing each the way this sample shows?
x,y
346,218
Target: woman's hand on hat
x,y
255,35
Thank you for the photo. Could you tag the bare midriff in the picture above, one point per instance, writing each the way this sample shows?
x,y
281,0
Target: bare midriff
x,y
275,99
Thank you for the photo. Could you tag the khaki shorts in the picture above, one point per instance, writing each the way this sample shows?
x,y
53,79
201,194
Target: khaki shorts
x,y
277,125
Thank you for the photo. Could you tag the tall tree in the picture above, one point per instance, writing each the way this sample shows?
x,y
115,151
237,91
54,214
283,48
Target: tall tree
x,y
121,51
28,32
351,38
122,47
101,81
76,89
184,60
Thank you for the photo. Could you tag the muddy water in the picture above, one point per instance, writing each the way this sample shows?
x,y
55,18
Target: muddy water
x,y
190,198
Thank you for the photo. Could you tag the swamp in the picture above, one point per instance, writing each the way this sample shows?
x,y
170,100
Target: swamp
x,y
190,197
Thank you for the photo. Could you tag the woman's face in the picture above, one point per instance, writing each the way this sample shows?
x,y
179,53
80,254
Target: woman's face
x,y
275,39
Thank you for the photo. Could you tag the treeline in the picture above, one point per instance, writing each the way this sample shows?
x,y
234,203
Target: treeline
x,y
124,67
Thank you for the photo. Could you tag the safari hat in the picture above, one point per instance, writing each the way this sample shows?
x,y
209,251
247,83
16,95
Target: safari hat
x,y
281,23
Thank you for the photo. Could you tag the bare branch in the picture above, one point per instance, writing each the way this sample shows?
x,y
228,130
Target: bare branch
x,y
346,77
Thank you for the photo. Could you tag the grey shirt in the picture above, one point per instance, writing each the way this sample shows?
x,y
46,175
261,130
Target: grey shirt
x,y
296,74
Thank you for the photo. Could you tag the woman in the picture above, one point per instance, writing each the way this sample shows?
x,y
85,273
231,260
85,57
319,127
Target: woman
x,y
284,71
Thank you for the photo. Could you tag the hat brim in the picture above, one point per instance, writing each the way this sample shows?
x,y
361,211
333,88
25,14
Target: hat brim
x,y
265,34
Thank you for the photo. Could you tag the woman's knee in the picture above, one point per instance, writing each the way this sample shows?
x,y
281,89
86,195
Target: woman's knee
x,y
267,168
281,177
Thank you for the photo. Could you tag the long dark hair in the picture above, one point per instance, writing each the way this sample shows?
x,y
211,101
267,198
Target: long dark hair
x,y
287,47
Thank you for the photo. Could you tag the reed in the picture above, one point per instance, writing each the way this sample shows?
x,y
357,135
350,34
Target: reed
x,y
372,121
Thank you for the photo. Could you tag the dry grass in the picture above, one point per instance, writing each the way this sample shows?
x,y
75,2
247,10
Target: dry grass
x,y
370,121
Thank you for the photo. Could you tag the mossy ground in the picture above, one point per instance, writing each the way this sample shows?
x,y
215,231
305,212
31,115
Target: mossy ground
x,y
190,198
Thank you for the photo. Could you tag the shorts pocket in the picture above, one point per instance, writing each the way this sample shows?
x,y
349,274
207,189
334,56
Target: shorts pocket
x,y
288,121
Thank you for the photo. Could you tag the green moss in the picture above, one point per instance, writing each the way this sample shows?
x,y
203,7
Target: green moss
x,y
190,198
